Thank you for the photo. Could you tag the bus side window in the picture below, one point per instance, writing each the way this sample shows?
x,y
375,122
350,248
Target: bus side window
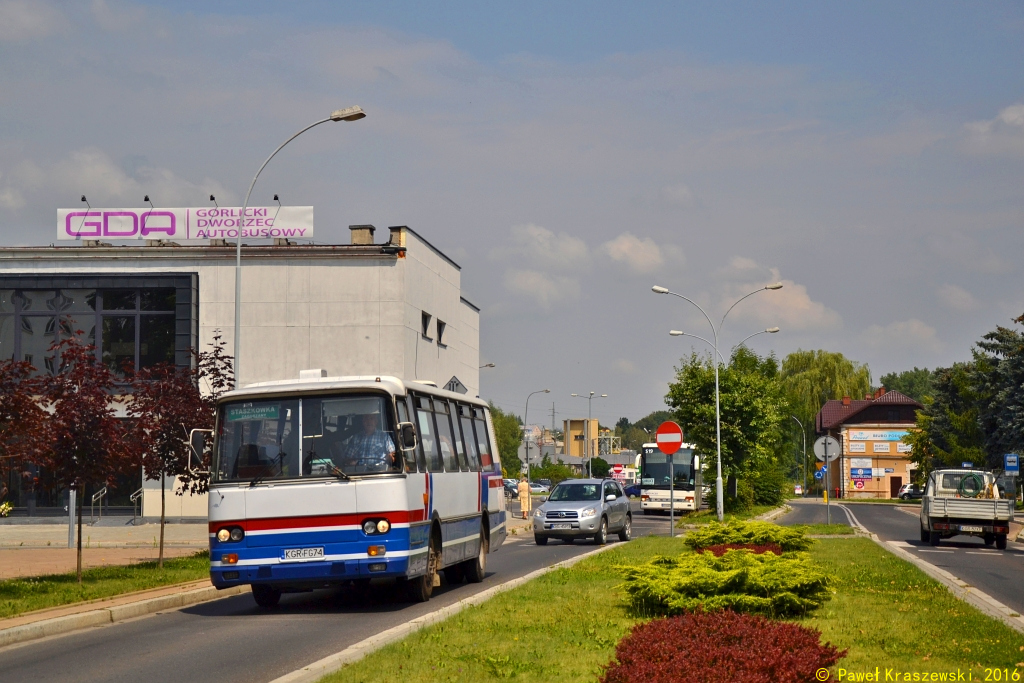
x,y
428,444
403,416
483,441
470,438
460,448
444,436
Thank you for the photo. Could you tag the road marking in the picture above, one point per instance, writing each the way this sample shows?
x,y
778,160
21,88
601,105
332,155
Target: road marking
x,y
983,552
900,544
922,550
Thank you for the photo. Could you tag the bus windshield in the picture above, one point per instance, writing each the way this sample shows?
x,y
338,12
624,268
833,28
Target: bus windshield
x,y
311,436
654,469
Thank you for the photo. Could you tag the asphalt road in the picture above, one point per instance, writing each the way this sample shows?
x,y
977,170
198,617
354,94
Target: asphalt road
x,y
231,640
996,572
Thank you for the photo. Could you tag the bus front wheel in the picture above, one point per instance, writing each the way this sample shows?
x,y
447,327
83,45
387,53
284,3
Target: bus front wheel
x,y
420,588
265,596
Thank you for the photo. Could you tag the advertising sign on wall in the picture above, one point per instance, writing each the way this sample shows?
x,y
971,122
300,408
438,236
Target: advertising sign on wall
x,y
861,462
260,222
869,435
883,447
857,447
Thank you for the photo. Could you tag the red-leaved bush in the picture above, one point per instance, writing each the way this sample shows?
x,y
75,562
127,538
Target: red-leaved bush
x,y
719,647
756,548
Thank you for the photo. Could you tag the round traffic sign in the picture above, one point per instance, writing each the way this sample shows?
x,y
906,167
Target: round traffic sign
x,y
669,437
818,475
826,444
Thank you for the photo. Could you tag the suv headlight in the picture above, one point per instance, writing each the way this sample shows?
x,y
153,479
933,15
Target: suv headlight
x,y
538,513
589,512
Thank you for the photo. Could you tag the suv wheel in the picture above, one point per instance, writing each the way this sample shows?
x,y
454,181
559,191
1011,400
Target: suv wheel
x,y
627,529
540,540
601,537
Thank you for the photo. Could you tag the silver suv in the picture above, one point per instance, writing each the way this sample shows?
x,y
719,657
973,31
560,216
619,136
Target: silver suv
x,y
584,508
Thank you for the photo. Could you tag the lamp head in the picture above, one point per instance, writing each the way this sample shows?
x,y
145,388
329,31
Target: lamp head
x,y
659,290
146,198
212,198
676,333
575,394
350,114
774,285
547,391
276,199
772,330
83,198
604,395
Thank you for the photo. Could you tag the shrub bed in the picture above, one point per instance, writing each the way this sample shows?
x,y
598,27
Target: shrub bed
x,y
723,647
768,584
719,550
754,533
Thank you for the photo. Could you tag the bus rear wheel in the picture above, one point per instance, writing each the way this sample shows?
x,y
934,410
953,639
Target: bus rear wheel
x,y
265,596
476,569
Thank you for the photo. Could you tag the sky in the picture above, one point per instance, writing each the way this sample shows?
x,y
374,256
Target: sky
x,y
869,156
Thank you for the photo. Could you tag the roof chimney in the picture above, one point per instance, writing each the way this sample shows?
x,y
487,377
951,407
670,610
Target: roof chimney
x,y
362,234
880,392
397,235
846,400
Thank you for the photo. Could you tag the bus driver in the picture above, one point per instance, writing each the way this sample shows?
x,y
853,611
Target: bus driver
x,y
371,448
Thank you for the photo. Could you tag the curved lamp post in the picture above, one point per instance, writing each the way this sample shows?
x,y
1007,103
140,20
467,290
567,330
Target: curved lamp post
x,y
526,414
590,456
349,114
804,434
720,509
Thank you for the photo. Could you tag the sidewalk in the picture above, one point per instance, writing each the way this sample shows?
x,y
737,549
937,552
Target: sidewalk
x,y
38,549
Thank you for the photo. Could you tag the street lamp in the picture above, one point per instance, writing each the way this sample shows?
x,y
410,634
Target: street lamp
x,y
349,114
803,432
770,330
586,430
526,415
720,508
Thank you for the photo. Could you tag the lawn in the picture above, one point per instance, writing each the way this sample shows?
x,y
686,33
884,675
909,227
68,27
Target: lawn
x,y
41,592
564,625
709,515
825,529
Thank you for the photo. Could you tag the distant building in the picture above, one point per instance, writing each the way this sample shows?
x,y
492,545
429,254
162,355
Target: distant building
x,y
875,461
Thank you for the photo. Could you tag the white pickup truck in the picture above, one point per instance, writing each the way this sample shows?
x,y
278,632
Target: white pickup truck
x,y
965,502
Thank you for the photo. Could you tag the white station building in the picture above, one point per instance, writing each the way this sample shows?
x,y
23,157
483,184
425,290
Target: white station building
x,y
365,308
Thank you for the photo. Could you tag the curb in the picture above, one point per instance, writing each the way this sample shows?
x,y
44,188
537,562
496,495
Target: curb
x,y
109,615
353,653
960,589
773,514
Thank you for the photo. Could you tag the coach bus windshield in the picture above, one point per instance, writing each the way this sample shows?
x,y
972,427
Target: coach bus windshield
x,y
654,469
311,436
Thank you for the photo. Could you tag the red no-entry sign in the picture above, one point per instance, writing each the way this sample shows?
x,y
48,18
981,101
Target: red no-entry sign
x,y
669,437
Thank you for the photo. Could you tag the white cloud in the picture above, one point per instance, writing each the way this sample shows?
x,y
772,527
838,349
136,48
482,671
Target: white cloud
x,y
23,21
546,290
957,298
677,195
641,255
119,17
790,308
541,247
624,365
1002,135
904,335
11,198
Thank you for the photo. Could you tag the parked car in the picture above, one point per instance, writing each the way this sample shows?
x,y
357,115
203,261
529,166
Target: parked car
x,y
583,508
511,490
536,488
911,492
633,490
544,482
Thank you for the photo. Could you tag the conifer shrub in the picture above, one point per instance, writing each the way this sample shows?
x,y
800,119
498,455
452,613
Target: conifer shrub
x,y
756,533
719,647
757,549
740,580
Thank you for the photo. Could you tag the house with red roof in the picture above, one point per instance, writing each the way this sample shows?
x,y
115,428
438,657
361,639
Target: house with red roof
x,y
874,461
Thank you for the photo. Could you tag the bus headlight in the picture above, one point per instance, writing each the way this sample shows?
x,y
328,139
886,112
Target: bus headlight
x,y
383,526
373,527
237,534
223,535
230,533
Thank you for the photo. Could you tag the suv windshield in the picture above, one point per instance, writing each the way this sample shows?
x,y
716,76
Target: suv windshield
x,y
313,436
570,492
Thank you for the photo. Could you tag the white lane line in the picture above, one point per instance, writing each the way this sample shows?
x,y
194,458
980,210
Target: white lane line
x,y
922,550
854,522
900,544
981,552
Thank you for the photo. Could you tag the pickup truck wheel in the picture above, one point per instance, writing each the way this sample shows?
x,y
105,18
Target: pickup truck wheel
x,y
1001,541
933,538
924,535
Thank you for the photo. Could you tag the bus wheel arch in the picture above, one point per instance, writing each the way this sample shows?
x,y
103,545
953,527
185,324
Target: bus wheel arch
x,y
475,569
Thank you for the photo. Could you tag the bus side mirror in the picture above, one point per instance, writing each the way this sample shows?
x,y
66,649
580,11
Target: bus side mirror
x,y
197,444
407,433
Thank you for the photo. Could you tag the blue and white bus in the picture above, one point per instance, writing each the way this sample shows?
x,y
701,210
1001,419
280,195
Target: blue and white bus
x,y
329,480
654,478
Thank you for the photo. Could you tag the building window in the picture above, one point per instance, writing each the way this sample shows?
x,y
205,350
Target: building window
x,y
441,325
425,319
138,321
894,415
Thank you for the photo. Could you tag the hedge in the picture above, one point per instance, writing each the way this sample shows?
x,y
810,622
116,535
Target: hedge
x,y
755,533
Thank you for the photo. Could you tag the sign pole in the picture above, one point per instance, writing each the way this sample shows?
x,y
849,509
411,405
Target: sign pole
x,y
828,479
671,497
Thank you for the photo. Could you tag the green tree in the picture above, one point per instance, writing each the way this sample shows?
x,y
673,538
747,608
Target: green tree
x,y
999,386
916,383
508,432
950,422
600,467
753,411
810,378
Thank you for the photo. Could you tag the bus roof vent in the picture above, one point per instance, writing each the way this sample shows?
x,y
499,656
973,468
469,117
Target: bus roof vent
x,y
428,382
311,375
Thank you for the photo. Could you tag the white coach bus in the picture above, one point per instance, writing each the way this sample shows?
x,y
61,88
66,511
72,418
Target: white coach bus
x,y
654,479
328,480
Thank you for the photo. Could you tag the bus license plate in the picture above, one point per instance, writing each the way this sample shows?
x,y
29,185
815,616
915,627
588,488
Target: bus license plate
x,y
561,526
976,529
303,554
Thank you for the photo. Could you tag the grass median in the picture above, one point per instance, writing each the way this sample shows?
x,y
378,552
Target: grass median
x,y
564,626
21,595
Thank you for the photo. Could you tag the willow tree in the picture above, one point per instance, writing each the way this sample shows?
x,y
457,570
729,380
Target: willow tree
x,y
810,378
